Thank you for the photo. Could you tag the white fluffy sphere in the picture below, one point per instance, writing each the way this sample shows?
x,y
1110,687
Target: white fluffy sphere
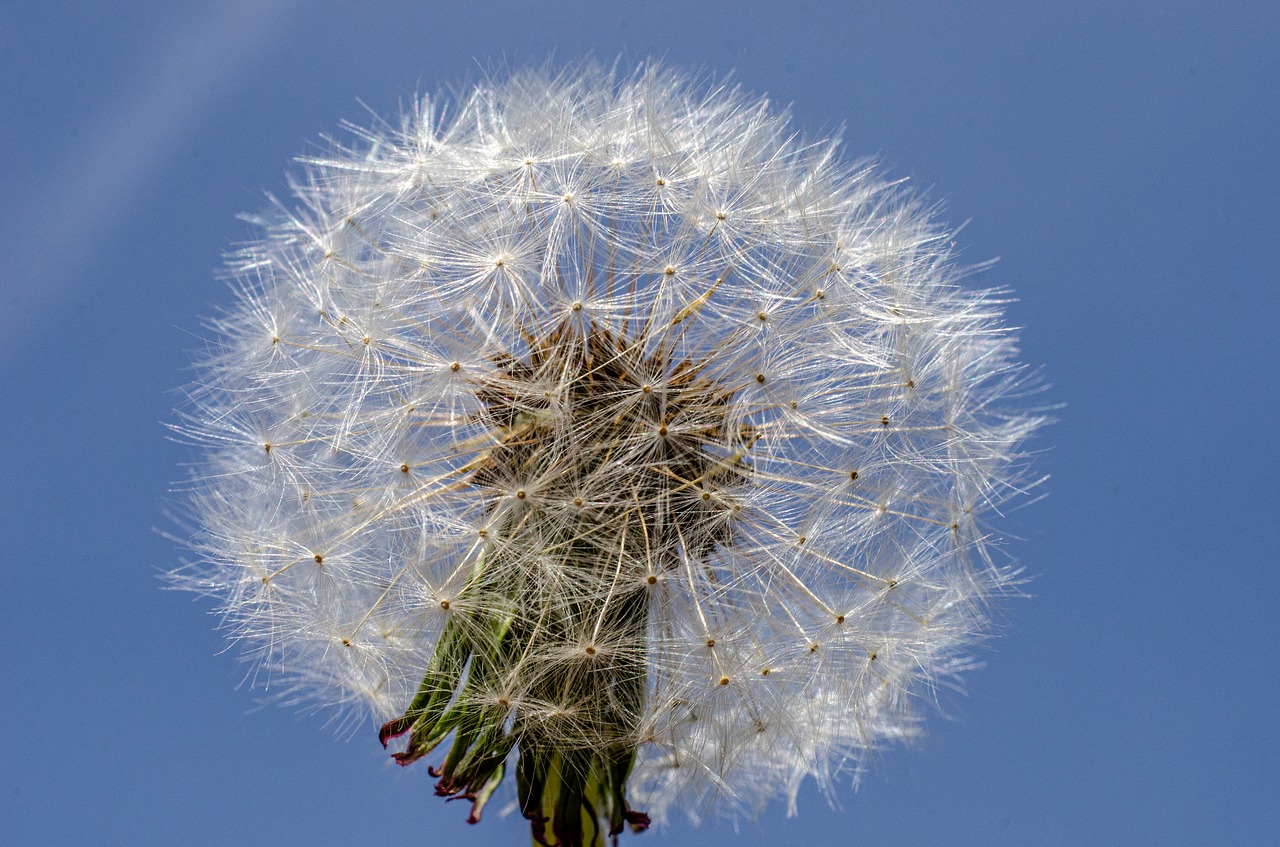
x,y
686,424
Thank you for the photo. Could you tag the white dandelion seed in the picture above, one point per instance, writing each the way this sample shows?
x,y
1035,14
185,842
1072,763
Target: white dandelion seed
x,y
602,424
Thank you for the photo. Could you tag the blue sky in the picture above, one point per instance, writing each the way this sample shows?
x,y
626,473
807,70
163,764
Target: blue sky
x,y
1119,158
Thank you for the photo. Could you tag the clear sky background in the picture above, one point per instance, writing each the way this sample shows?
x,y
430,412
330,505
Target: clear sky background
x,y
1119,157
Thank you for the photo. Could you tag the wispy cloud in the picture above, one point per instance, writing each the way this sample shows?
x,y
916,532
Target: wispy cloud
x,y
79,207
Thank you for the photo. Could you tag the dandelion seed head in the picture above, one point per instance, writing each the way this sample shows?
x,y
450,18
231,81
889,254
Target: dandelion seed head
x,y
618,370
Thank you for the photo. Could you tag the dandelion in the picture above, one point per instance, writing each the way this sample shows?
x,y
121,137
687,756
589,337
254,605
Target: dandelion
x,y
604,426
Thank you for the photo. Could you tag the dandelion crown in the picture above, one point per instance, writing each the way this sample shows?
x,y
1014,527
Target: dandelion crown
x,y
597,425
